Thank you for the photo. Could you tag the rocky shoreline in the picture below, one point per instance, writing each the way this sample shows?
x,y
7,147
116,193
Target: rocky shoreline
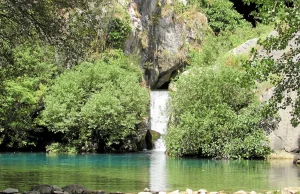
x,y
78,189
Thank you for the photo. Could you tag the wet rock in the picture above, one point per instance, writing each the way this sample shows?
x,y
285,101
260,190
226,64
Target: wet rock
x,y
74,189
10,190
56,188
58,192
43,189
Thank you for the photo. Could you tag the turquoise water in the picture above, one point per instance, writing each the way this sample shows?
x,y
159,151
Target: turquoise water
x,y
136,171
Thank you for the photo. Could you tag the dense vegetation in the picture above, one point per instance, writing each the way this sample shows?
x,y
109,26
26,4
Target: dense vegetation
x,y
97,105
214,108
48,93
65,84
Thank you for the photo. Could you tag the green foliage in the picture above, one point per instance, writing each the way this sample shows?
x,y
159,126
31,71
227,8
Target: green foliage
x,y
221,15
284,72
215,48
118,31
213,114
23,87
100,102
58,148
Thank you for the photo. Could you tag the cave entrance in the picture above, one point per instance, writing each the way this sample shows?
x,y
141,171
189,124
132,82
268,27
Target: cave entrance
x,y
246,10
165,86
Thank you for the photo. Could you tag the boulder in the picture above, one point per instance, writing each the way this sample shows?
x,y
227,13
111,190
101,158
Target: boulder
x,y
291,190
189,191
240,192
43,189
144,193
74,189
56,188
202,191
10,191
175,192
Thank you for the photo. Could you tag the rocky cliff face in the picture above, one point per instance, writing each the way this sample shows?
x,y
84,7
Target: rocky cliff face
x,y
162,32
284,137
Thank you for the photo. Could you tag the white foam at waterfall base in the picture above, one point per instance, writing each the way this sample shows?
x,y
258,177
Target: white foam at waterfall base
x,y
159,115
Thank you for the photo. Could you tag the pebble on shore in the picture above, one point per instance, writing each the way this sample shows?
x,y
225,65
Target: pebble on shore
x,y
78,189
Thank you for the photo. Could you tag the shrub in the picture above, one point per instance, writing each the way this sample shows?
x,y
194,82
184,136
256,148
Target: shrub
x,y
97,103
213,114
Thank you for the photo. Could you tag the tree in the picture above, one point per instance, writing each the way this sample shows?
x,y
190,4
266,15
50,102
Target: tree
x,y
21,95
283,72
213,114
97,103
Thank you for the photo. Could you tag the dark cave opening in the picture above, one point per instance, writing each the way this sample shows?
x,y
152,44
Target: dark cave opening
x,y
165,86
246,10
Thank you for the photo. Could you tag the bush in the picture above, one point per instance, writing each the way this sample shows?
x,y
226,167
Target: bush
x,y
97,103
213,114
221,15
23,85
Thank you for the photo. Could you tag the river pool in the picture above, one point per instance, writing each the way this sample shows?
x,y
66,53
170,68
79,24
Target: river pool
x,y
150,169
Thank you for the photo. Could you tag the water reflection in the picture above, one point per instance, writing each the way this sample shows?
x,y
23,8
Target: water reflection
x,y
283,173
134,172
157,170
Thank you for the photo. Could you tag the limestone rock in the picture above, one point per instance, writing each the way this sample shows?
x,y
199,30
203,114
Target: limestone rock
x,y
144,193
43,189
10,191
291,190
162,192
175,192
74,189
246,47
213,192
160,37
202,191
146,190
283,136
240,192
56,188
189,191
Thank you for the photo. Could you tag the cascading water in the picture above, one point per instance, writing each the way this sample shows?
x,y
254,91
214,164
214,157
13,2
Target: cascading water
x,y
159,115
159,122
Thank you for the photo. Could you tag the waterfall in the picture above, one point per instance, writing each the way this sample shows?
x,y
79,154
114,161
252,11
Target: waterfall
x,y
159,115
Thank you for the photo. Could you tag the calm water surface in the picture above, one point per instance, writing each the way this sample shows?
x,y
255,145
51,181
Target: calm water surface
x,y
134,172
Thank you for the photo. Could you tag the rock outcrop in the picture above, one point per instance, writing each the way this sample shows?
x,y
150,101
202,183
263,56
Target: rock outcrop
x,y
284,136
161,35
